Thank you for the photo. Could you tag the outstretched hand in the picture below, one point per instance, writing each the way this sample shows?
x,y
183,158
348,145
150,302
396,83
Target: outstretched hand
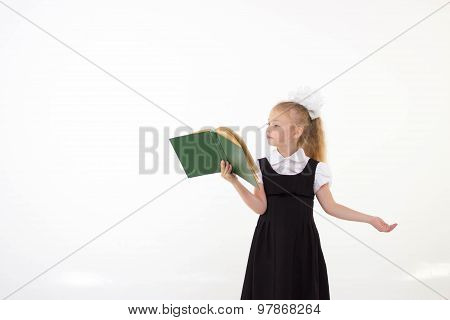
x,y
382,226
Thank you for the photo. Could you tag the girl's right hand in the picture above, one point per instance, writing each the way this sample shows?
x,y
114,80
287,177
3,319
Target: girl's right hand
x,y
226,173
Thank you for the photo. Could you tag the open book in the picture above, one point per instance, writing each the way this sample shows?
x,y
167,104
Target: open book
x,y
200,153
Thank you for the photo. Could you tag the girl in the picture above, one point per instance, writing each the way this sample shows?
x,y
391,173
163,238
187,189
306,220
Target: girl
x,y
286,259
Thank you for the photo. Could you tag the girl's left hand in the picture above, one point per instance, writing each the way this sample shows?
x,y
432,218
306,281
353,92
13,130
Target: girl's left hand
x,y
382,226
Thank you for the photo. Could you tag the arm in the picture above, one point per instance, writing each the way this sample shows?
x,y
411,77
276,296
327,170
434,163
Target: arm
x,y
256,201
342,212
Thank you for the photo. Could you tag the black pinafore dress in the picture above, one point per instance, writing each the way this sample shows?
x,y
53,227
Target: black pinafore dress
x,y
286,260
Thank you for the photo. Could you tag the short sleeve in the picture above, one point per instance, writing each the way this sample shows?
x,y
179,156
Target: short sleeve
x,y
323,176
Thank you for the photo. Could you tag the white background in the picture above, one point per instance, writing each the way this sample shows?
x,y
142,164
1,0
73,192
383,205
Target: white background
x,y
69,137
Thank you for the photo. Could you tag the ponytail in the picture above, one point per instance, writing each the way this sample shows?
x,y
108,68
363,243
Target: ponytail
x,y
313,140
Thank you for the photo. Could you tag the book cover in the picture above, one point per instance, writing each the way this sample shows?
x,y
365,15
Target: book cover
x,y
200,153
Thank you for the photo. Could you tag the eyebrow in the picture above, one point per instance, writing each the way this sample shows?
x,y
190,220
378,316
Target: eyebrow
x,y
273,120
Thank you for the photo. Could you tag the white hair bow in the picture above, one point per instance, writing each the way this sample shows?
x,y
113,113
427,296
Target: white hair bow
x,y
312,101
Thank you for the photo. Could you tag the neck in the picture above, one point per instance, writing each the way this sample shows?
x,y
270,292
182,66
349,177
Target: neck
x,y
288,150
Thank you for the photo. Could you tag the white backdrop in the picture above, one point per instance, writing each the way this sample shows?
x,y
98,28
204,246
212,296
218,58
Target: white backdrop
x,y
78,79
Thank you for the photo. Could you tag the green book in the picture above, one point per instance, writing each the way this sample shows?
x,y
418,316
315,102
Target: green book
x,y
200,153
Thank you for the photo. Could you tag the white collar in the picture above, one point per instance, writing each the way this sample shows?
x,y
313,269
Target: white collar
x,y
276,157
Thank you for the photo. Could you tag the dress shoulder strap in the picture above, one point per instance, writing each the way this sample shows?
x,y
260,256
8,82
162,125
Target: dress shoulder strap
x,y
262,164
310,168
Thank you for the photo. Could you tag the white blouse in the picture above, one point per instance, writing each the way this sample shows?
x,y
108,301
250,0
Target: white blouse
x,y
294,164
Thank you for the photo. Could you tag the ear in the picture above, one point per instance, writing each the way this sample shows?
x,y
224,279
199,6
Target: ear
x,y
298,131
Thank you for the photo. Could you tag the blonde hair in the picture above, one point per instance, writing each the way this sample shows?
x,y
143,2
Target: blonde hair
x,y
312,139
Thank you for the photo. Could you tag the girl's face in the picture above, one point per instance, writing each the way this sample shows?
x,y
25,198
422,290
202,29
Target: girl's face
x,y
281,130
